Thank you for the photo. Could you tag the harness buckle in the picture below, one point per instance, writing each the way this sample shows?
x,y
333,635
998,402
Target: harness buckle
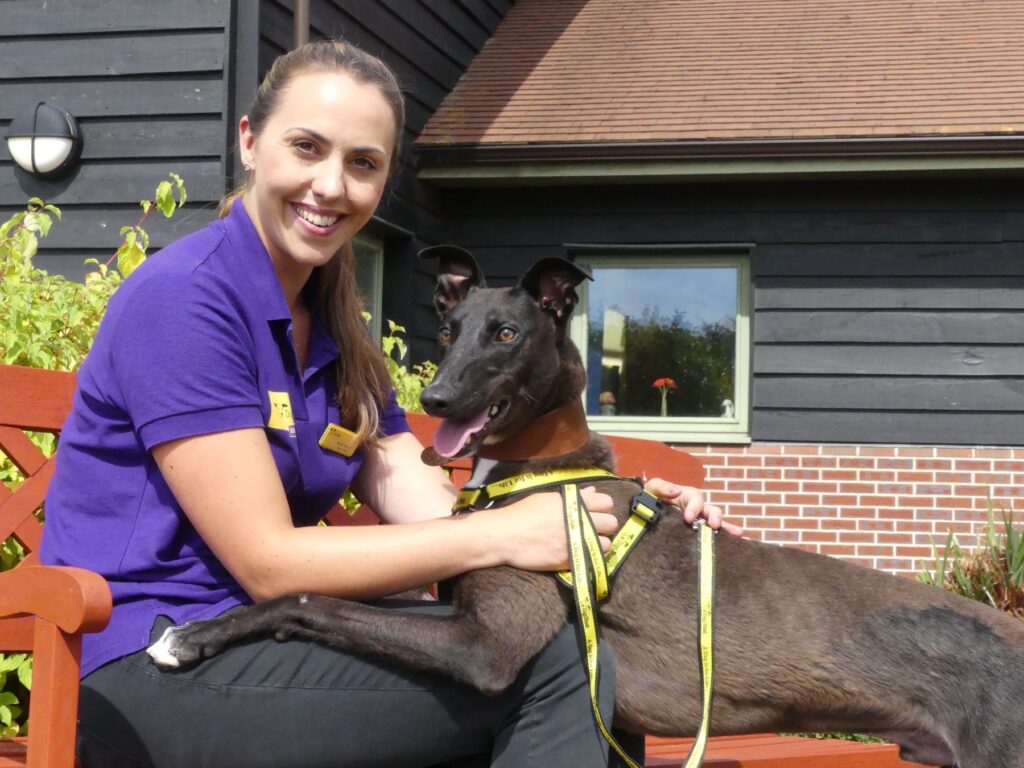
x,y
646,506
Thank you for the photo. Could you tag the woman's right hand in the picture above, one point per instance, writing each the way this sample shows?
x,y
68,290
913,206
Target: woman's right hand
x,y
530,533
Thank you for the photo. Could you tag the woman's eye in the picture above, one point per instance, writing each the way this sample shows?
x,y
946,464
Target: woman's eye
x,y
365,163
506,333
305,147
444,335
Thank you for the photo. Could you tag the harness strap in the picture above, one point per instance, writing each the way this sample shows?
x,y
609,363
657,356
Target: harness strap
x,y
529,481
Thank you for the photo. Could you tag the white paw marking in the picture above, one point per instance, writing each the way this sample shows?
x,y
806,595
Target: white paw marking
x,y
161,652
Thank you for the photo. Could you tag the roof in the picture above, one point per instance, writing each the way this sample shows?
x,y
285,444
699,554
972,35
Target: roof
x,y
599,71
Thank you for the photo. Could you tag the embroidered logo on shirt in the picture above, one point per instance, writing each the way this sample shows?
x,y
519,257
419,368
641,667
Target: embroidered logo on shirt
x,y
281,412
339,440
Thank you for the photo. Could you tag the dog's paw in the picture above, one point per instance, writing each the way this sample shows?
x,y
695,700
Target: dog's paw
x,y
164,652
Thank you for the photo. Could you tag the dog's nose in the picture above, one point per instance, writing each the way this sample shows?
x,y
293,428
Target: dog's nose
x,y
437,399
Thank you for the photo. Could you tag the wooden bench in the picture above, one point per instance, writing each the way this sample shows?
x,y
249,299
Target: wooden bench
x,y
45,610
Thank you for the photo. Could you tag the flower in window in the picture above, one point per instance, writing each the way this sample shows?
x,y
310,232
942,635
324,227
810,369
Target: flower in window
x,y
665,385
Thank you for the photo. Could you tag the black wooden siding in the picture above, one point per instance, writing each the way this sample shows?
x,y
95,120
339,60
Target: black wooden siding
x,y
151,85
884,311
429,44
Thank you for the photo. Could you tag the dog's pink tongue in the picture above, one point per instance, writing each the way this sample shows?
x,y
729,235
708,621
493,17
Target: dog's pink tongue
x,y
452,435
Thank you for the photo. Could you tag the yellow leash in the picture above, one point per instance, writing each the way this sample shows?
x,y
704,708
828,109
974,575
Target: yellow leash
x,y
589,578
590,572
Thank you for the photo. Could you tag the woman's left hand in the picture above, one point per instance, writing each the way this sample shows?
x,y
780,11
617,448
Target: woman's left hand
x,y
690,502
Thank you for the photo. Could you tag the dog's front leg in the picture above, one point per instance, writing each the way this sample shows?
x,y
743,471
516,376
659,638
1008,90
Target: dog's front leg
x,y
484,645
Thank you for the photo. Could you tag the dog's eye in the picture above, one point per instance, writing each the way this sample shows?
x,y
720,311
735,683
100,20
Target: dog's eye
x,y
445,335
505,333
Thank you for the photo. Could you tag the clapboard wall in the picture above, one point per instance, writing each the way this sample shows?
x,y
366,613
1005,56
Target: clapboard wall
x,y
152,86
888,311
428,44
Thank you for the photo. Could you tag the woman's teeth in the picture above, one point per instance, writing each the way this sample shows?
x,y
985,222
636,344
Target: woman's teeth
x,y
316,218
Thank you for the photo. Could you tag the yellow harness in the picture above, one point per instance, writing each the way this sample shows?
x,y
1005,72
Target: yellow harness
x,y
590,571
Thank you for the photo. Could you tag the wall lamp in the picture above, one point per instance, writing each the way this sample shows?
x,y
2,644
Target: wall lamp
x,y
45,141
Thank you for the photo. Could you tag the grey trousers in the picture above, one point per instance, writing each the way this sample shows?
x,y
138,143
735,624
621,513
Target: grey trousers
x,y
301,704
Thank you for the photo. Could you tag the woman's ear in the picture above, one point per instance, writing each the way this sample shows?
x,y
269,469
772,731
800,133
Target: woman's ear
x,y
246,143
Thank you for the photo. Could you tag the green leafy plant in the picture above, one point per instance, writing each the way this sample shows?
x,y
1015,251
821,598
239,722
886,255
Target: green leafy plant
x,y
409,381
992,573
47,321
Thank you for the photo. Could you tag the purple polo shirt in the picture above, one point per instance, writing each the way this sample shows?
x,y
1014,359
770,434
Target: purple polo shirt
x,y
197,341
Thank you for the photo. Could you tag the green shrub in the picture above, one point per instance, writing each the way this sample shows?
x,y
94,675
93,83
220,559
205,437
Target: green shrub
x,y
992,573
47,321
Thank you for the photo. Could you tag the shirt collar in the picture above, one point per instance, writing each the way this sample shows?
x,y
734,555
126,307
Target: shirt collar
x,y
250,259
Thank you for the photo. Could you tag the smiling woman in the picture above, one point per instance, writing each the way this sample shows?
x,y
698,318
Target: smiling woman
x,y
233,393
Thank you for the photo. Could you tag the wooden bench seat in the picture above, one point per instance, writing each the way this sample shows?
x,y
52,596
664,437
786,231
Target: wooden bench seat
x,y
45,610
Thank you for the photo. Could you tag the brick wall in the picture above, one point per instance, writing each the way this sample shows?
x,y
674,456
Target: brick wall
x,y
880,506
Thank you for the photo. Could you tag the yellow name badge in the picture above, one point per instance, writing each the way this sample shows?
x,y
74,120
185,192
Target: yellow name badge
x,y
281,412
339,440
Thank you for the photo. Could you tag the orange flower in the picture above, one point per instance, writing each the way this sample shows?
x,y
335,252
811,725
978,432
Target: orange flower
x,y
665,383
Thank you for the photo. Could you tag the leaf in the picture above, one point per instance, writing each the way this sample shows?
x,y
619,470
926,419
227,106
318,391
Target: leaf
x,y
129,256
25,673
165,199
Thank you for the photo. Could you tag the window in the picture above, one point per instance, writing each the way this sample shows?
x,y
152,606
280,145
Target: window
x,y
665,340
369,253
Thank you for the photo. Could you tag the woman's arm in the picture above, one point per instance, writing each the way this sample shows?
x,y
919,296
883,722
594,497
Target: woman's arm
x,y
229,487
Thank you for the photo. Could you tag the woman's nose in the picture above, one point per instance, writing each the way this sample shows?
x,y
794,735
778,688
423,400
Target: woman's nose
x,y
329,181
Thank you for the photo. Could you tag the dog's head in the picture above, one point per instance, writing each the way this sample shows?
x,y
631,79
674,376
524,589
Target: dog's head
x,y
505,353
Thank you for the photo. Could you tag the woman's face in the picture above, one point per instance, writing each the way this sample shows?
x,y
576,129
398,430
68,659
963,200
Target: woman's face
x,y
319,168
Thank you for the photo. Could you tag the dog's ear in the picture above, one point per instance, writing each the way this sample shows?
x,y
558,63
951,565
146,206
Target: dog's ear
x,y
457,273
552,283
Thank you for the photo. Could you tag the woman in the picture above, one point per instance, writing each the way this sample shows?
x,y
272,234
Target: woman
x,y
191,476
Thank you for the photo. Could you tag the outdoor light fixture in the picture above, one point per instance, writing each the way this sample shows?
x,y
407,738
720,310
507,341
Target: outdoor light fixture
x,y
45,141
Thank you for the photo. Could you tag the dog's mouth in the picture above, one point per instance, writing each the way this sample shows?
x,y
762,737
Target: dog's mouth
x,y
455,437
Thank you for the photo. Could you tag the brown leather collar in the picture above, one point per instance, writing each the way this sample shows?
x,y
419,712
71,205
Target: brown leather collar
x,y
556,433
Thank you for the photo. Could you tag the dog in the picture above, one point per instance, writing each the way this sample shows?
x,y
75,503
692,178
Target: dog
x,y
804,642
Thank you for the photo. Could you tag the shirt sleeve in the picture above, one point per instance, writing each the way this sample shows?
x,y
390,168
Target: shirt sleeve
x,y
392,419
185,359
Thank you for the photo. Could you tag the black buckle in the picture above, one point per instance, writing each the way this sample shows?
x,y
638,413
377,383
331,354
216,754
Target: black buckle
x,y
649,501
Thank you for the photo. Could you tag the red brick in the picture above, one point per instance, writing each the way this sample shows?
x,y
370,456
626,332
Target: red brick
x,y
1008,466
813,487
915,477
745,461
880,476
915,501
726,472
857,537
839,450
768,474
841,524
818,461
970,490
837,550
839,474
781,536
781,486
856,463
745,485
876,450
710,460
764,498
726,497
801,474
898,514
893,565
993,453
839,499
934,464
802,450
937,489
766,449
877,525
801,524
915,452
794,499
895,488
973,466
760,523
818,511
781,461
934,514
862,511
820,537
952,477
993,478
875,550
895,538
1014,491
915,552
895,464
955,453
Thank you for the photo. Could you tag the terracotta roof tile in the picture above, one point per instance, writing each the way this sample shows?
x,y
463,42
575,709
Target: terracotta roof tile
x,y
660,70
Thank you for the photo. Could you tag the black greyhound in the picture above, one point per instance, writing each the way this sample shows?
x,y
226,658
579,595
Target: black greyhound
x,y
804,642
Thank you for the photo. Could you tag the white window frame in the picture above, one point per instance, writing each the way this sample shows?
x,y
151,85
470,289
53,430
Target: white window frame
x,y
679,429
366,246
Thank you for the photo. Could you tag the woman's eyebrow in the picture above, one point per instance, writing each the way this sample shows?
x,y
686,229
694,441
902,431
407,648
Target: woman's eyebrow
x,y
324,140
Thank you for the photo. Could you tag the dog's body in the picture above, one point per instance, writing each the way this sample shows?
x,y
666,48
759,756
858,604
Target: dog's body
x,y
803,642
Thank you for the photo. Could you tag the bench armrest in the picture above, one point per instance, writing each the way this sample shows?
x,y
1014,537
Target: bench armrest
x,y
74,599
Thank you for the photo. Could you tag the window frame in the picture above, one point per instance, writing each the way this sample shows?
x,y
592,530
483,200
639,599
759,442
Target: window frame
x,y
677,429
372,247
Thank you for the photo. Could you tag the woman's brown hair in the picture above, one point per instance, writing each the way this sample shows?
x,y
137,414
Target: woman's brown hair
x,y
362,378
